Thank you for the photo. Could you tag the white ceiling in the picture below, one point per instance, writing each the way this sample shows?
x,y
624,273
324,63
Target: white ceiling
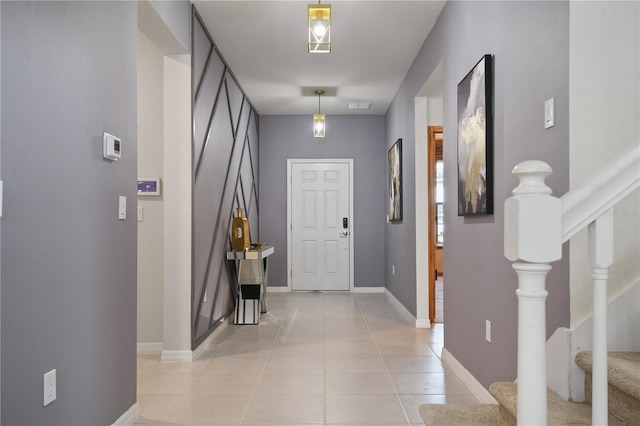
x,y
265,44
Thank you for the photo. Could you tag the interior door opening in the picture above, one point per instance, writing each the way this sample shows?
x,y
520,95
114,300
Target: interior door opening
x,y
436,224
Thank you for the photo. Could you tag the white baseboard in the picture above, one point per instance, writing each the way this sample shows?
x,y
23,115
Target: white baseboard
x,y
129,417
467,378
150,348
190,356
423,323
176,356
400,307
368,290
282,289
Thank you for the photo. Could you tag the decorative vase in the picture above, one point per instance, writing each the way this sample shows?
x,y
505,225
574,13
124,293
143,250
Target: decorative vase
x,y
240,232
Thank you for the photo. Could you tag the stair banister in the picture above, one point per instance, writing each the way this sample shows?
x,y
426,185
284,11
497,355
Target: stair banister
x,y
533,239
536,226
591,198
590,204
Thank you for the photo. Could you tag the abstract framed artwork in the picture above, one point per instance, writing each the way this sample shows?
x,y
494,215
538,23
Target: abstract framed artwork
x,y
395,182
475,140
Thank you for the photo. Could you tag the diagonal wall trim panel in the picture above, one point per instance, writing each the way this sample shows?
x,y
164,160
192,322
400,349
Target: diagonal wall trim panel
x,y
210,78
217,246
218,283
236,102
227,191
206,67
202,53
225,176
210,193
207,133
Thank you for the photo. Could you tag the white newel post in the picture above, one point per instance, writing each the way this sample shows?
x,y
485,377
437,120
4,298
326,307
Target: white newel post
x,y
532,240
600,259
532,336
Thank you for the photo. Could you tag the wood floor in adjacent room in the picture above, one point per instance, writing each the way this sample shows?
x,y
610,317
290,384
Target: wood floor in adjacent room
x,y
315,358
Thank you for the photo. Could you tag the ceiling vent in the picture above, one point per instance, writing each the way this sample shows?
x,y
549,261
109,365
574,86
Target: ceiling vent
x,y
359,105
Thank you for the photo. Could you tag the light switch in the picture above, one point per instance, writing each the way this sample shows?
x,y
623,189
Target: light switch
x,y
140,214
549,113
122,207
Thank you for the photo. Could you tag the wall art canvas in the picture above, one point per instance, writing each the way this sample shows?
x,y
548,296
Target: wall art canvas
x,y
395,182
475,140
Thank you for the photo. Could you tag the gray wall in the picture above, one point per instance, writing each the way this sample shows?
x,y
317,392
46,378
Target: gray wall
x,y
357,137
530,41
68,264
0,219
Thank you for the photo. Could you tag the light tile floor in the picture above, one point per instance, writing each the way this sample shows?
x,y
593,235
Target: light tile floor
x,y
314,359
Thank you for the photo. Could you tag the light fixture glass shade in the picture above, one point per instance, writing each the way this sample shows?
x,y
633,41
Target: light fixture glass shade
x,y
319,126
319,28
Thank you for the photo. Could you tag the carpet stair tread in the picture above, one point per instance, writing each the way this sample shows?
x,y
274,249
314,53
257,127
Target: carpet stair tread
x,y
624,370
623,375
624,399
460,414
559,410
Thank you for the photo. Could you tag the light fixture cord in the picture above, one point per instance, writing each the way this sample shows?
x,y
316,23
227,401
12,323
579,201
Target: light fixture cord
x,y
318,104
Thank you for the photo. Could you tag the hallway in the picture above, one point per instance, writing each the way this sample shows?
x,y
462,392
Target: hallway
x,y
315,358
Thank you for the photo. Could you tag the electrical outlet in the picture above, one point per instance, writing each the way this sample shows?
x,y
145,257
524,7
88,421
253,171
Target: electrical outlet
x,y
487,331
49,387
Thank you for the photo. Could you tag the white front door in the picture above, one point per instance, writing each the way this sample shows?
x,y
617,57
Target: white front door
x,y
320,225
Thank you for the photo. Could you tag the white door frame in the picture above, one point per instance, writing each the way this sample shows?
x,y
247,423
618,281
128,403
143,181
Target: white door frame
x,y
290,163
433,83
422,222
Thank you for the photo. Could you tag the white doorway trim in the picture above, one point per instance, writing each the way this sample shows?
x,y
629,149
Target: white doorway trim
x,y
432,86
422,220
352,226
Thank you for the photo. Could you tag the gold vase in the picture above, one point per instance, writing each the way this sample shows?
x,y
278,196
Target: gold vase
x,y
240,232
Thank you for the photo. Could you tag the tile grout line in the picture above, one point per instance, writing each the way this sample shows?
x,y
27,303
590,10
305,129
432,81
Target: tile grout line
x,y
324,358
384,362
253,392
378,321
177,395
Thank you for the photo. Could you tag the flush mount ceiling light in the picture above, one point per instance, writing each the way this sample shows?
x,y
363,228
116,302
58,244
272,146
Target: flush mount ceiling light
x,y
319,28
318,119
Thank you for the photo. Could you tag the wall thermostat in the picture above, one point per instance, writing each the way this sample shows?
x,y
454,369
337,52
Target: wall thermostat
x,y
111,147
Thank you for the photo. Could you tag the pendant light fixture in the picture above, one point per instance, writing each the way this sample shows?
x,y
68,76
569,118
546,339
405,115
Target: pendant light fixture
x,y
319,28
319,126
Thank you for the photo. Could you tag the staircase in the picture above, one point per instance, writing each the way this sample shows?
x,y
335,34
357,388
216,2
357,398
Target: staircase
x,y
537,224
624,385
624,394
624,399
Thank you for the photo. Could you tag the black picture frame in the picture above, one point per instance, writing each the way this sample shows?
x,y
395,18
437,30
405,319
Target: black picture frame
x,y
395,182
475,140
